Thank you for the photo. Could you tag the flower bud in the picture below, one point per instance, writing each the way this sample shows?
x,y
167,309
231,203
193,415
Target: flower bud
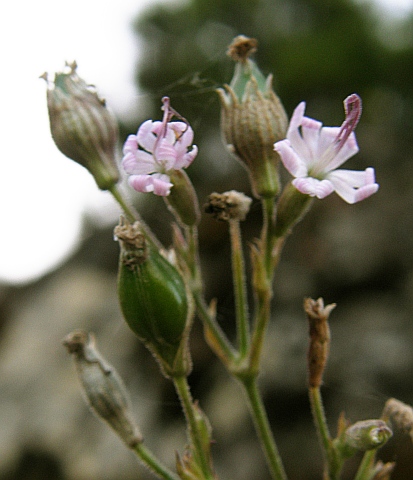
x,y
153,299
104,389
82,127
400,415
182,201
364,435
252,119
228,206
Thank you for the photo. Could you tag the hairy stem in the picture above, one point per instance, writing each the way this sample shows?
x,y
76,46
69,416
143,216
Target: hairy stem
x,y
152,463
332,461
240,289
194,430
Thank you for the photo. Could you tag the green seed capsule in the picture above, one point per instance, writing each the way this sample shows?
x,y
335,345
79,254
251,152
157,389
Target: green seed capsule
x,y
152,296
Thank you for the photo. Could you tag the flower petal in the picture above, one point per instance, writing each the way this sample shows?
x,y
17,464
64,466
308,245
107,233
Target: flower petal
x,y
291,160
159,184
299,128
338,157
131,144
138,163
186,160
313,187
141,183
165,155
354,186
147,135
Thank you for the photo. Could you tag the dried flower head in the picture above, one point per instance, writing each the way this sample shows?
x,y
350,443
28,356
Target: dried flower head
x,y
227,206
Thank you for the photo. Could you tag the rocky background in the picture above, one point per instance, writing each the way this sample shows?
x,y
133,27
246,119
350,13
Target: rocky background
x,y
360,257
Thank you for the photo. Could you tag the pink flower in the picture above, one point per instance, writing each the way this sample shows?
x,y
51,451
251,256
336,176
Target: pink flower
x,y
312,153
157,149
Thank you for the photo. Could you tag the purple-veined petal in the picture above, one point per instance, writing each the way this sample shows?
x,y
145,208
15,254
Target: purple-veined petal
x,y
141,183
139,163
146,135
130,145
313,187
161,185
165,155
185,160
291,160
184,139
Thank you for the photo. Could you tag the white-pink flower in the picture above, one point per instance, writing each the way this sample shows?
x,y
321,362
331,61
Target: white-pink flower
x,y
157,149
312,153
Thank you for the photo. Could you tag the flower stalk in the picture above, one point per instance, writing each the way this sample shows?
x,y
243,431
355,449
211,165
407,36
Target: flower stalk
x,y
263,428
200,461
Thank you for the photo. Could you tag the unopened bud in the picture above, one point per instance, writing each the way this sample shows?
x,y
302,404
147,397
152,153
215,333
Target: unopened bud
x,y
253,119
228,206
103,387
182,201
399,415
319,346
82,127
153,299
364,435
383,471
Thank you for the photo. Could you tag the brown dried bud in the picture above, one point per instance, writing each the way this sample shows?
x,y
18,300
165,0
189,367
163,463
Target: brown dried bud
x,y
399,415
228,206
242,47
319,346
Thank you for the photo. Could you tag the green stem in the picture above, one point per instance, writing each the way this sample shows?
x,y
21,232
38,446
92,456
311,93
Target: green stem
x,y
365,471
191,236
332,461
262,317
152,463
195,434
267,237
240,289
263,429
215,336
133,216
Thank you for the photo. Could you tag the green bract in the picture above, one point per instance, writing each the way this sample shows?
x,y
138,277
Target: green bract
x,y
153,299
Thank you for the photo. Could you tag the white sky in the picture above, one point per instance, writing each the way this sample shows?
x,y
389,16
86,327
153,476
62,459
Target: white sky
x,y
43,194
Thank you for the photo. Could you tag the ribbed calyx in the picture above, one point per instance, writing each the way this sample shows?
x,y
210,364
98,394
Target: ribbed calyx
x,y
252,119
82,127
154,299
